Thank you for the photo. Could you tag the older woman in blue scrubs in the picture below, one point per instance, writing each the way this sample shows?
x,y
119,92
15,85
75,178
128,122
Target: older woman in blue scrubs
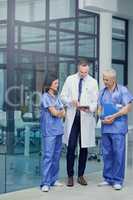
x,y
114,104
52,112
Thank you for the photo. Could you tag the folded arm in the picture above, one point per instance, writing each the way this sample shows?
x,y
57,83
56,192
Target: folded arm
x,y
123,111
57,113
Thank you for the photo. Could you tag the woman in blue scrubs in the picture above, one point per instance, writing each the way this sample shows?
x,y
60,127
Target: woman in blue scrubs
x,y
52,112
114,104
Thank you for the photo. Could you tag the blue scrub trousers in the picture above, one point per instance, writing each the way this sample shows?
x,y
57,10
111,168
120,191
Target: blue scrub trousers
x,y
113,149
50,159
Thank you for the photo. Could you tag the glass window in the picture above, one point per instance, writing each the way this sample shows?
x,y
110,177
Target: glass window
x,y
53,24
3,35
3,9
22,10
118,28
2,88
87,25
52,41
68,25
118,50
32,38
3,57
120,72
2,170
64,8
67,43
30,10
86,47
63,73
65,69
33,62
66,59
3,128
52,65
39,7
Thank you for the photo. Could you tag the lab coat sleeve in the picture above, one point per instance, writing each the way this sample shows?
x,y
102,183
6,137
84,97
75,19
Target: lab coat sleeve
x,y
65,93
93,105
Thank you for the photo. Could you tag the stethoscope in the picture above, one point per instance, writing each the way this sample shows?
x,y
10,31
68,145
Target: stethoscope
x,y
102,95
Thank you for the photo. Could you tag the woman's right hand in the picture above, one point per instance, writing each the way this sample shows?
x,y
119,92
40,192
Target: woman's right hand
x,y
62,113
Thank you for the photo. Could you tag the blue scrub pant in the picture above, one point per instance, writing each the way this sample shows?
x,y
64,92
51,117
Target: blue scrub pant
x,y
113,149
50,159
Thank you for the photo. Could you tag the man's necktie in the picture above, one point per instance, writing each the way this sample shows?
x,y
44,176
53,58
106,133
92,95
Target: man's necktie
x,y
80,88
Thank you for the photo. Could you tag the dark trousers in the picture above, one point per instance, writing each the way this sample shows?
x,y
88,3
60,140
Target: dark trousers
x,y
74,136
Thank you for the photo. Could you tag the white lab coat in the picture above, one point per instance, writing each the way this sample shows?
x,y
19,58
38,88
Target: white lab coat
x,y
88,97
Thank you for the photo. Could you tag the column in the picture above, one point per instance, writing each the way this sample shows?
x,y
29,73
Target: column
x,y
105,42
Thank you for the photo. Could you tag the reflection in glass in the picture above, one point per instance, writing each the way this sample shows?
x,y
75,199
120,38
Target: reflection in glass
x,y
52,24
72,60
118,50
67,48
52,41
32,34
64,8
32,38
118,28
63,73
86,25
2,172
3,9
3,57
120,73
86,47
68,25
3,128
72,68
29,10
2,88
23,171
67,44
66,35
3,35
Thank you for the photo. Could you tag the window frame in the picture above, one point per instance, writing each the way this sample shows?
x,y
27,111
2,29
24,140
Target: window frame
x,y
120,61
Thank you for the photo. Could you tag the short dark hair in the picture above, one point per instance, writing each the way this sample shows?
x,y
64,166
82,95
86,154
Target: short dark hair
x,y
83,63
48,81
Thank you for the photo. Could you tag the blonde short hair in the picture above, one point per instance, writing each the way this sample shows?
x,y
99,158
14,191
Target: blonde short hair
x,y
110,72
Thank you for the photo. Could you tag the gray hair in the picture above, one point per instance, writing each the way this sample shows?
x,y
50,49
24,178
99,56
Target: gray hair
x,y
110,72
83,63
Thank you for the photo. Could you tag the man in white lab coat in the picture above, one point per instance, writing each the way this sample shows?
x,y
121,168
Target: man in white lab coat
x,y
79,95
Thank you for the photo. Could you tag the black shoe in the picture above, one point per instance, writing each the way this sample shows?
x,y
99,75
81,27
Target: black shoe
x,y
70,181
81,180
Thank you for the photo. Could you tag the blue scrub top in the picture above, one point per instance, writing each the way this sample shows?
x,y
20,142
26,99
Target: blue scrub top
x,y
119,97
50,125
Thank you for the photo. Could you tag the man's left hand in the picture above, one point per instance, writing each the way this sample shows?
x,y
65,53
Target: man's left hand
x,y
109,119
84,109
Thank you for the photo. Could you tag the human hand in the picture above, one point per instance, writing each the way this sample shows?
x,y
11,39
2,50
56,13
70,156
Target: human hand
x,y
75,103
84,109
62,113
108,120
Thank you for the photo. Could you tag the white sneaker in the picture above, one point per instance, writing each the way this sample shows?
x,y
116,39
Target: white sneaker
x,y
104,183
58,183
45,188
117,186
